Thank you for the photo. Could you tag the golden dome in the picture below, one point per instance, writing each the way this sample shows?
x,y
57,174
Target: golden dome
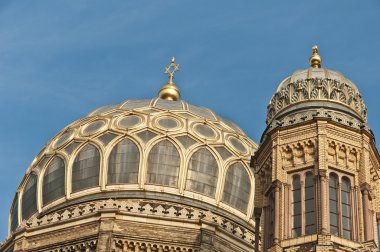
x,y
165,143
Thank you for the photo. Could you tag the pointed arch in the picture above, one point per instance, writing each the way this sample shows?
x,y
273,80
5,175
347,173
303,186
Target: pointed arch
x,y
163,164
86,168
123,163
53,184
202,173
29,197
237,187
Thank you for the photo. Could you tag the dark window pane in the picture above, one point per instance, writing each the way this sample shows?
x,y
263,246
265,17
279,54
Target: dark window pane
x,y
333,194
334,230
237,187
86,168
309,206
14,214
54,181
346,185
297,221
296,182
29,198
310,229
346,223
296,232
163,164
346,210
310,218
333,219
202,174
309,193
123,163
345,197
333,206
309,181
297,208
347,234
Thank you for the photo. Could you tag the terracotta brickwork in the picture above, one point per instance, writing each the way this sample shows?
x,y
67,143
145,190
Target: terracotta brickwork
x,y
322,147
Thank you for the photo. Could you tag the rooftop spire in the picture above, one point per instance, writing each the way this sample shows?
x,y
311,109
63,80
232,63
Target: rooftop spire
x,y
169,91
315,60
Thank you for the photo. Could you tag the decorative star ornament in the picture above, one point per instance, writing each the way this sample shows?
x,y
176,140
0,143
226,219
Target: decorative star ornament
x,y
171,69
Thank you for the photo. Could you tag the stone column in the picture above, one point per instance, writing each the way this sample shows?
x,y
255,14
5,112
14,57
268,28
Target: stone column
x,y
366,218
257,213
323,207
277,185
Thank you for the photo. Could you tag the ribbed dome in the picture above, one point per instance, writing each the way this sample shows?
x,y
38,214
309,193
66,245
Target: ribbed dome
x,y
153,148
316,91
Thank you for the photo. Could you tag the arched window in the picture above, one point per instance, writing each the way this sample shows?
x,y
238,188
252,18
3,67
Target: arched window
x,y
237,187
202,174
86,168
54,181
333,204
29,197
14,213
346,208
296,206
309,204
163,164
123,163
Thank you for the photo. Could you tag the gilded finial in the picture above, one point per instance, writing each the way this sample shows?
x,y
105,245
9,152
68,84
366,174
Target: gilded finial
x,y
169,91
315,60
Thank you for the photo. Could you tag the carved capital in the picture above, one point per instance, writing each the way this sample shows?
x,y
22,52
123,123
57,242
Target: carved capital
x,y
365,187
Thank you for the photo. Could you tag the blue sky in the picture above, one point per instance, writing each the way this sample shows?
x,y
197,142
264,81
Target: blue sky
x,y
59,60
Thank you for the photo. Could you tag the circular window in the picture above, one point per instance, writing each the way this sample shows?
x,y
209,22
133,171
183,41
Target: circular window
x,y
129,121
168,123
237,145
205,131
67,136
93,127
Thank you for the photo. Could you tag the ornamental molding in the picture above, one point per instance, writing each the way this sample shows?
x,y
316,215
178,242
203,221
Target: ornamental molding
x,y
299,153
138,207
121,245
316,89
342,155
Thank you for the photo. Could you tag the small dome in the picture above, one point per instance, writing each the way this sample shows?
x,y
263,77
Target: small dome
x,y
316,92
150,148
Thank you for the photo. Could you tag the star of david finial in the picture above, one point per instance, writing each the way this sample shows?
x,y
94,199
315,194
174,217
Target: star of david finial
x,y
169,91
171,69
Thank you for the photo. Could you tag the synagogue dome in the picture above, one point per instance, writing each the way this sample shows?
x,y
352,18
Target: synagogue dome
x,y
316,92
163,149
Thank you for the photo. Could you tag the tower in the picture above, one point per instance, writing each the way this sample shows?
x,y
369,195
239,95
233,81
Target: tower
x,y
317,167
